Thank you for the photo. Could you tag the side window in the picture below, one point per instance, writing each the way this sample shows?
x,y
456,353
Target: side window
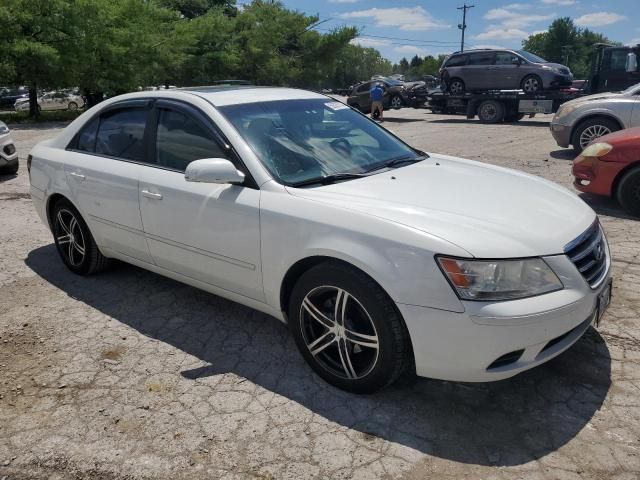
x,y
181,140
87,137
618,61
457,61
481,58
121,134
365,87
506,58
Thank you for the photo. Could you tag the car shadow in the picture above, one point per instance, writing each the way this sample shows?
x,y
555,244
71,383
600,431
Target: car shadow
x,y
606,206
7,176
521,123
563,154
505,423
401,120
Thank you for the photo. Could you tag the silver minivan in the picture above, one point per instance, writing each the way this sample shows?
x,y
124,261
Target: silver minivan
x,y
475,70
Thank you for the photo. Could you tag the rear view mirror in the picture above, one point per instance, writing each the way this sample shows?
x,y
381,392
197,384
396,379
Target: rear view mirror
x,y
213,170
632,63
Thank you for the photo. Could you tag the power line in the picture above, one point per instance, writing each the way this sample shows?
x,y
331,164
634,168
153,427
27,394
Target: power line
x,y
411,40
463,26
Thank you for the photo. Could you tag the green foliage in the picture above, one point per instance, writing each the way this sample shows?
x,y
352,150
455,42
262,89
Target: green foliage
x,y
568,44
11,118
419,66
356,63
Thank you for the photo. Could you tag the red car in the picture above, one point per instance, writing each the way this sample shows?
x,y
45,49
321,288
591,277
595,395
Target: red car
x,y
610,166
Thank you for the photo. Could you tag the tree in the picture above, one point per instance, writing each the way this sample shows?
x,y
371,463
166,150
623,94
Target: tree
x,y
566,43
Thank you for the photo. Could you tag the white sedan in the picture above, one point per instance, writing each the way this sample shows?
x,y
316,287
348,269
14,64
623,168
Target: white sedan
x,y
384,260
53,101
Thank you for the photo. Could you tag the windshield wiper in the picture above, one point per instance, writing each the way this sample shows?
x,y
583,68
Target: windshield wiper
x,y
328,179
396,162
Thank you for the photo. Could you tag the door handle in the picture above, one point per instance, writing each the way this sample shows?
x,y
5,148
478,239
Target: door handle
x,y
154,196
79,176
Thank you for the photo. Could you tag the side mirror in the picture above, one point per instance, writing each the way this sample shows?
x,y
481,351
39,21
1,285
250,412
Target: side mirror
x,y
515,61
632,63
213,170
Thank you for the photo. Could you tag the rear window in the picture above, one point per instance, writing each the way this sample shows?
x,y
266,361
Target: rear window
x,y
456,61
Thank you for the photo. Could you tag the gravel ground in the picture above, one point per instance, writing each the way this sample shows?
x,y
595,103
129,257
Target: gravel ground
x,y
131,375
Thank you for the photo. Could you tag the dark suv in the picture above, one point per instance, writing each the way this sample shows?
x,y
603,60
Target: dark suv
x,y
475,70
395,95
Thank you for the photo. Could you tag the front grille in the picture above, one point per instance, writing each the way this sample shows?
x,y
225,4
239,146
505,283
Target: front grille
x,y
589,253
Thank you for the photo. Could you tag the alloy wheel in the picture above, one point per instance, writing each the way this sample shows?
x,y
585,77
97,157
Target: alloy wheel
x,y
531,85
69,237
591,133
396,102
456,88
339,332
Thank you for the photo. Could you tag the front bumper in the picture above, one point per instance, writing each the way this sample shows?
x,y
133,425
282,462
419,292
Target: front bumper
x,y
561,134
559,81
593,175
465,346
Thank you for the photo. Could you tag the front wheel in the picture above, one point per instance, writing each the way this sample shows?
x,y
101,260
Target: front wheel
x,y
74,242
396,102
591,129
629,192
531,84
73,106
348,329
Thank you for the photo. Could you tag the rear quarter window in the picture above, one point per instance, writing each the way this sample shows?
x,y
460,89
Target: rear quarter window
x,y
456,61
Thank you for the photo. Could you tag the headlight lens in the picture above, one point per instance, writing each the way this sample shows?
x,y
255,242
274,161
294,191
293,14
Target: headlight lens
x,y
599,149
493,280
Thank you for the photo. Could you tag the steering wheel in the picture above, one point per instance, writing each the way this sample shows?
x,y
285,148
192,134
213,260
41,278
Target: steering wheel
x,y
341,145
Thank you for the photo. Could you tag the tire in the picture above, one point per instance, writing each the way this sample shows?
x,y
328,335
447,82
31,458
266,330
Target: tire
x,y
10,170
589,130
491,111
74,242
628,192
73,106
456,86
368,348
396,102
531,84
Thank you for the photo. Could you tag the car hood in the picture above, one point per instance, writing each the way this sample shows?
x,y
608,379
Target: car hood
x,y
489,211
592,98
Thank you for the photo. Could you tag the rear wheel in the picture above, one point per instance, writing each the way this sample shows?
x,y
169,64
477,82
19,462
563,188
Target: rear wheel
x,y
591,129
396,102
628,193
72,106
456,86
491,111
74,241
348,329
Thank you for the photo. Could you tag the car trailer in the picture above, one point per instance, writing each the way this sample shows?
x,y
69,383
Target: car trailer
x,y
500,105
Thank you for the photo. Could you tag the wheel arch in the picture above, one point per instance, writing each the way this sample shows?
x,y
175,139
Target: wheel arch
x,y
616,181
51,202
580,121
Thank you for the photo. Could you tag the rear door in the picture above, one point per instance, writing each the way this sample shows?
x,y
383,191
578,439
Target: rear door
x,y
478,73
505,71
205,231
102,165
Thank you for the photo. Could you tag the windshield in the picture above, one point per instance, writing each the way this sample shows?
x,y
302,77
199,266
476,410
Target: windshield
x,y
531,57
301,140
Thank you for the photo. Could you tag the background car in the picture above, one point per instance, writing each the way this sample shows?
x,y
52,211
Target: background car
x,y
610,167
53,101
8,153
395,95
8,97
474,70
582,120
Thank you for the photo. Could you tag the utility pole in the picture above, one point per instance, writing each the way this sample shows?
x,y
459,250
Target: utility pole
x,y
463,26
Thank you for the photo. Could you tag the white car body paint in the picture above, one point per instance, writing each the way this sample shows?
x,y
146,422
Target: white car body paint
x,y
240,243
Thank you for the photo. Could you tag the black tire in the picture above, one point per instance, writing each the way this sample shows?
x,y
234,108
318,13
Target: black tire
x,y
367,312
396,102
456,86
590,129
10,170
74,242
628,192
73,106
532,84
491,111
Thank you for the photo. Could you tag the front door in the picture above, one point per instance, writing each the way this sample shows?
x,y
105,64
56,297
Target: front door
x,y
205,231
102,168
505,72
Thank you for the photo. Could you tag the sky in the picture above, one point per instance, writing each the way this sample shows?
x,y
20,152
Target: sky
x,y
404,28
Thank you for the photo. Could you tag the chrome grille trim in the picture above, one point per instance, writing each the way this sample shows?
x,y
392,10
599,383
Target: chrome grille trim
x,y
590,254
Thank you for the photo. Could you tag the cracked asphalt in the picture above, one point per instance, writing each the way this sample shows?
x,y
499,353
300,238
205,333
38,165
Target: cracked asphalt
x,y
129,375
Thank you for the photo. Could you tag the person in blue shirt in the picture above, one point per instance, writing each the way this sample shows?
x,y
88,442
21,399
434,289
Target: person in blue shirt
x,y
376,94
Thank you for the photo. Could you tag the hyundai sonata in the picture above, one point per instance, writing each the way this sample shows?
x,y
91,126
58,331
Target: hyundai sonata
x,y
383,259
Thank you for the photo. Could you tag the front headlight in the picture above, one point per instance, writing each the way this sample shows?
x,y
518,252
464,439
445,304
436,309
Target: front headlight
x,y
494,280
565,110
599,149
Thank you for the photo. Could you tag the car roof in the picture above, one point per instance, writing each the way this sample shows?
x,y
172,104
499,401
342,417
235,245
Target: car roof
x,y
240,94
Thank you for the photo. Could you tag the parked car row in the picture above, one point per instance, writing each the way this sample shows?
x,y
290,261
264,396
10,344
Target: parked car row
x,y
59,100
